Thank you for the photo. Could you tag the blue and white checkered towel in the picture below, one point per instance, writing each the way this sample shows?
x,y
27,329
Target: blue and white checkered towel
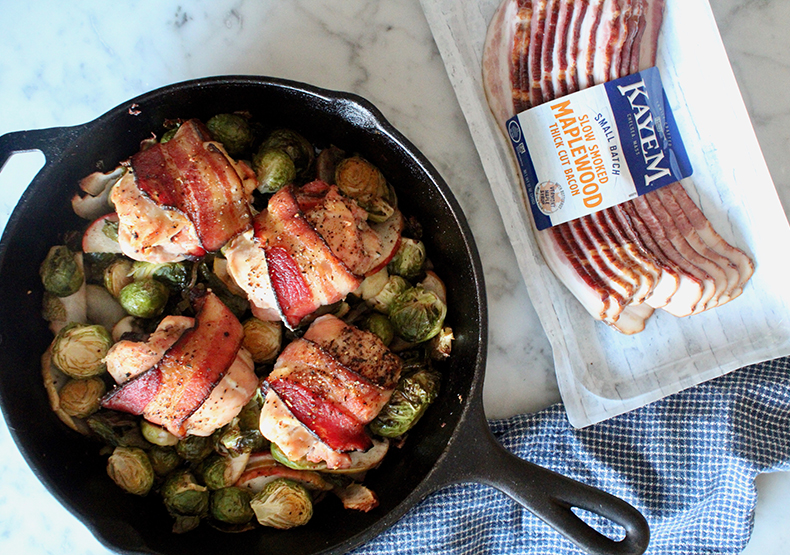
x,y
687,463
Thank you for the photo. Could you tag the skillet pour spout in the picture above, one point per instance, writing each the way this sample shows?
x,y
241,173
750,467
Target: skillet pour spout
x,y
438,450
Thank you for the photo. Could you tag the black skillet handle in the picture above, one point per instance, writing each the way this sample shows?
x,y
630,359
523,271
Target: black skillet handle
x,y
477,456
51,142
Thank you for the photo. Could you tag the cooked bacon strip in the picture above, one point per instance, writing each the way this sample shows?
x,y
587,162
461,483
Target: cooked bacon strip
x,y
180,383
325,388
305,273
193,175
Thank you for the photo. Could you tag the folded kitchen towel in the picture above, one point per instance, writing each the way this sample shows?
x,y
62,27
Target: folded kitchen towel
x,y
687,463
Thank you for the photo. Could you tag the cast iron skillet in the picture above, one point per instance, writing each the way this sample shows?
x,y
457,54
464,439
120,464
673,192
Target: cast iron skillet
x,y
451,444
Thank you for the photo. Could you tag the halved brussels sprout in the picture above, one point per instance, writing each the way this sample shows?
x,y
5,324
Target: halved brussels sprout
x,y
117,275
164,460
221,471
283,504
232,505
417,314
78,350
408,403
145,298
157,434
183,495
295,145
326,163
175,275
274,170
394,287
81,398
233,131
362,181
61,273
262,339
380,325
409,259
195,448
130,468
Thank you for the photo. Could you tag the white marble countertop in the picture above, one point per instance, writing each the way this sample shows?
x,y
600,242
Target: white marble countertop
x,y
67,63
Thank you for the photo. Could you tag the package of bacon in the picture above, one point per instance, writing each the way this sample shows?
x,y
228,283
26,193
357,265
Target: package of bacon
x,y
625,291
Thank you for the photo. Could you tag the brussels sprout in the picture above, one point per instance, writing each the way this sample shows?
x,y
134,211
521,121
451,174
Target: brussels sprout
x,y
145,298
274,170
233,131
380,325
295,145
53,309
130,468
175,275
95,263
183,495
417,314
117,275
195,448
232,505
164,460
78,350
221,471
394,287
409,259
372,285
81,398
440,345
282,504
262,339
408,403
168,135
157,434
117,429
362,181
61,273
238,305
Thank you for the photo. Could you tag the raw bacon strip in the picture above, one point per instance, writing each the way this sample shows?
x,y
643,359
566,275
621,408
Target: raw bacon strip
x,y
710,237
191,174
716,274
597,255
549,49
588,37
608,37
580,10
654,17
536,43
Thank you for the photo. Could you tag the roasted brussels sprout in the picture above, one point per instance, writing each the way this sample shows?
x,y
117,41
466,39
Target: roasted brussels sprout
x,y
195,448
175,275
409,259
61,272
130,468
411,398
221,471
144,298
233,131
157,434
380,325
417,314
183,495
440,345
78,350
237,304
326,163
283,504
274,170
232,505
81,398
117,429
295,145
117,275
394,287
52,308
372,285
164,460
95,263
262,339
362,181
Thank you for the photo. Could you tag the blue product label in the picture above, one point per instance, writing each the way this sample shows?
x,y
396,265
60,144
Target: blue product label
x,y
597,148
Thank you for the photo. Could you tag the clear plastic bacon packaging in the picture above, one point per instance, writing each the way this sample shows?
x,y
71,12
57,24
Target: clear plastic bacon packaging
x,y
598,298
